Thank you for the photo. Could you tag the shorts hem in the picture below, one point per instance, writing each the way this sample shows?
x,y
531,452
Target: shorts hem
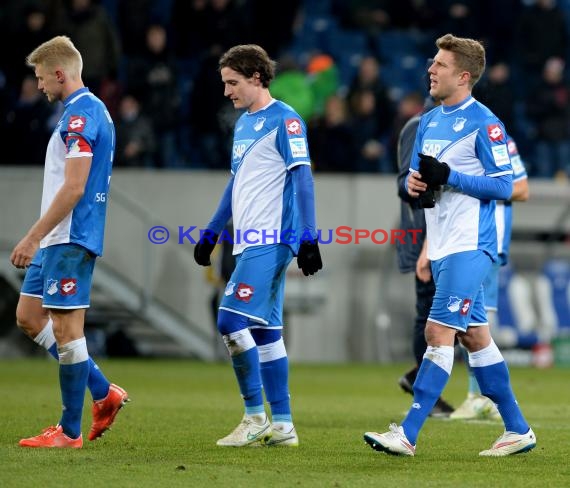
x,y
252,317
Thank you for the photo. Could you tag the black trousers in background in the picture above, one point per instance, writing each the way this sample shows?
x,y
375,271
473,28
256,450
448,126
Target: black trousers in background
x,y
424,299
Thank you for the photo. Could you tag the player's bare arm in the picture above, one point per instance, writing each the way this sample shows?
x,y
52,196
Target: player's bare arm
x,y
76,174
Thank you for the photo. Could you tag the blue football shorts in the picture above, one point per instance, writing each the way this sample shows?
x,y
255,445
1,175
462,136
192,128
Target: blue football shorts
x,y
257,286
459,300
61,276
491,287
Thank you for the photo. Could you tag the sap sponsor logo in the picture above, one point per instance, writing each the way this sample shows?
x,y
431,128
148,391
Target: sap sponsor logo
x,y
434,147
501,155
239,148
298,147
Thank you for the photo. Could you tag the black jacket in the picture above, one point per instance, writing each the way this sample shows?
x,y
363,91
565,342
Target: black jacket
x,y
412,216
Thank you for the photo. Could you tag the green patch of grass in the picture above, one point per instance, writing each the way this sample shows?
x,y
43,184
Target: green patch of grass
x,y
166,436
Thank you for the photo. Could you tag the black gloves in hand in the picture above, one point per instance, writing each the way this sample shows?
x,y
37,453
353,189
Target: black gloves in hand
x,y
309,257
433,172
204,247
427,198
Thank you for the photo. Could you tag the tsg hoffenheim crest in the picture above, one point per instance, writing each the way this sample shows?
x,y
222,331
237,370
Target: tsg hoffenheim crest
x,y
459,124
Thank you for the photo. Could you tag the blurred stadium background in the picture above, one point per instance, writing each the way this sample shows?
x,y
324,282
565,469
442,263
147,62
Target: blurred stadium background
x,y
151,300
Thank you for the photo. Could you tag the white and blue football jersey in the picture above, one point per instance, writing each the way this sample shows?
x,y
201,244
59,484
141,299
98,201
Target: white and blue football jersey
x,y
504,210
84,129
471,140
267,144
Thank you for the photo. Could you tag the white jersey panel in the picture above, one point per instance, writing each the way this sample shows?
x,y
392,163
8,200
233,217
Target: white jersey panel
x,y
472,141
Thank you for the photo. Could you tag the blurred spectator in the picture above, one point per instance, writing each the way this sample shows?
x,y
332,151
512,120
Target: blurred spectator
x,y
460,17
135,138
190,27
324,80
29,31
549,108
94,35
203,28
330,138
496,92
366,134
291,85
542,33
498,27
410,105
210,118
133,18
272,24
27,125
153,78
368,78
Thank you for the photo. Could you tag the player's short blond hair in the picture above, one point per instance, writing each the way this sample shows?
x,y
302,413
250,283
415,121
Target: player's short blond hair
x,y
469,54
57,52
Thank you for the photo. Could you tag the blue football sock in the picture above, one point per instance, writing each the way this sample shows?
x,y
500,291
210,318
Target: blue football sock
x,y
275,376
73,372
96,382
245,360
492,374
496,385
430,382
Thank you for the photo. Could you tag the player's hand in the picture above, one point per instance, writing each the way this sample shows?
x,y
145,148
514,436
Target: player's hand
x,y
24,251
309,257
416,186
433,172
204,247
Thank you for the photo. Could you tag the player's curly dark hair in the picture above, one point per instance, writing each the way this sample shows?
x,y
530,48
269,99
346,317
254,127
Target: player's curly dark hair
x,y
249,59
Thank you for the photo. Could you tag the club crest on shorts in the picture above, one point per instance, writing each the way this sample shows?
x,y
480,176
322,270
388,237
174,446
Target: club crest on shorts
x,y
230,287
453,304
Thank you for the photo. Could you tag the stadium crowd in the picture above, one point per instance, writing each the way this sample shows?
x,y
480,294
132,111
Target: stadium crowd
x,y
355,71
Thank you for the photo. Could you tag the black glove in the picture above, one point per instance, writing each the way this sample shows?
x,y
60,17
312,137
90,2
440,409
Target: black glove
x,y
427,198
433,171
204,247
309,257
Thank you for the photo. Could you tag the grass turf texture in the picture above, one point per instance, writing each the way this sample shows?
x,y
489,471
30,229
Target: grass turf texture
x,y
166,436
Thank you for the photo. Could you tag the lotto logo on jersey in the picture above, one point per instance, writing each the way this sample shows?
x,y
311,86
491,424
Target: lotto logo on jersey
x,y
68,286
294,127
76,123
244,292
495,132
465,306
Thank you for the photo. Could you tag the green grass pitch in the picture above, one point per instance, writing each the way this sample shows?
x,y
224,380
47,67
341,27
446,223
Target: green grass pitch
x,y
166,436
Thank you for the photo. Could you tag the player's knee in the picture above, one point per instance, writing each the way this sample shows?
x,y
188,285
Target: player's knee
x,y
28,322
238,342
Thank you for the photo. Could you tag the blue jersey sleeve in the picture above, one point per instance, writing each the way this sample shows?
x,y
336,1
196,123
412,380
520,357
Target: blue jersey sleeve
x,y
304,188
224,210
